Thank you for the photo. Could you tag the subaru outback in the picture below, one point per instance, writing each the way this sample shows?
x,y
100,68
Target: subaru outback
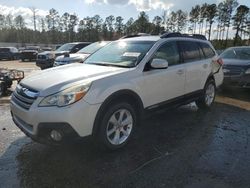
x,y
116,86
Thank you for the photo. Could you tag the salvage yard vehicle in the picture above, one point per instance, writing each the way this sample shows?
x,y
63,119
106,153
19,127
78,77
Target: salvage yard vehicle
x,y
115,87
46,59
81,55
9,53
236,66
30,53
7,76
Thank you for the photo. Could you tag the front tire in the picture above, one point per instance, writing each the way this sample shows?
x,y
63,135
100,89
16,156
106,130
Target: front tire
x,y
117,125
207,100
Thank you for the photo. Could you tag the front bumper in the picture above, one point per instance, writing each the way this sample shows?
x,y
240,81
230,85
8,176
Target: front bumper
x,y
56,64
5,56
73,121
44,63
28,56
242,81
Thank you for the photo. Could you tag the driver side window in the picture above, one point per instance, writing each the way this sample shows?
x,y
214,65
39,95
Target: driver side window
x,y
168,51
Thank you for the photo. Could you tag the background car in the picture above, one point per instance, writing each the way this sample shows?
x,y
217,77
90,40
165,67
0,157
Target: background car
x,y
81,55
46,49
9,53
236,66
46,59
30,53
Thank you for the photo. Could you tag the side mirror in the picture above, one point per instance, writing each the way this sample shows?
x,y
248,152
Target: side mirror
x,y
159,64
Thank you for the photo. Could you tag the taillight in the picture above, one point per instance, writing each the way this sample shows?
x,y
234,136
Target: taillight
x,y
220,61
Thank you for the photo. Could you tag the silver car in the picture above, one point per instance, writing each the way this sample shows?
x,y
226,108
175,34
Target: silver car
x,y
81,55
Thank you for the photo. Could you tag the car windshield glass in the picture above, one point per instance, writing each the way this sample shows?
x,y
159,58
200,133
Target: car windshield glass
x,y
121,53
66,47
92,47
4,49
237,53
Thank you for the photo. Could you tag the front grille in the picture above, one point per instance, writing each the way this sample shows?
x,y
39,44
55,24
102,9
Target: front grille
x,y
233,71
24,97
41,57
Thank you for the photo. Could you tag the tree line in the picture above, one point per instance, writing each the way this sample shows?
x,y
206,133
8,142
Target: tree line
x,y
226,23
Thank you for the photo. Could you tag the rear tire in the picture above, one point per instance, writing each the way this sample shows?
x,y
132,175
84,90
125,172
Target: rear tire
x,y
117,125
207,99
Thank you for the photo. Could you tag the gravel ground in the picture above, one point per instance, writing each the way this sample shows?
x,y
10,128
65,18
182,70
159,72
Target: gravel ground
x,y
182,147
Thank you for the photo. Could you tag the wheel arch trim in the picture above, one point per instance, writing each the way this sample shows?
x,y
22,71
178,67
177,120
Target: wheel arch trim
x,y
112,99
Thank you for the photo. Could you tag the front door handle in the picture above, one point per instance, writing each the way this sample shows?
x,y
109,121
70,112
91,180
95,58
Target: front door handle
x,y
180,72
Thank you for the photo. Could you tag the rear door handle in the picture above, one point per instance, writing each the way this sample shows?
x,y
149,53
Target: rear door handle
x,y
180,72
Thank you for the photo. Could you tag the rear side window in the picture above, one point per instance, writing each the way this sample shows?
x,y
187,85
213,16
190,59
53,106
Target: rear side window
x,y
190,51
207,50
168,51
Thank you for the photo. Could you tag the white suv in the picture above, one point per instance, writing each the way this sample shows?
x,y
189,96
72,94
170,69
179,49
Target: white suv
x,y
107,95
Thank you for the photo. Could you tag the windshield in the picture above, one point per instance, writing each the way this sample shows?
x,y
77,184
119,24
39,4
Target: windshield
x,y
92,47
66,47
121,53
236,53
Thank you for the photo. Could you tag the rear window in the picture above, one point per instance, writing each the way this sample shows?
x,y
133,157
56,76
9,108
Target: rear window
x,y
4,49
190,51
207,50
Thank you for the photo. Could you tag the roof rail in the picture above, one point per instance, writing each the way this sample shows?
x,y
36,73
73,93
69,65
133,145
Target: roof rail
x,y
135,35
177,34
170,35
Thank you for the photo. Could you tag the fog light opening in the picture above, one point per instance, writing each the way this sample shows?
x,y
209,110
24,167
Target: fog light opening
x,y
56,135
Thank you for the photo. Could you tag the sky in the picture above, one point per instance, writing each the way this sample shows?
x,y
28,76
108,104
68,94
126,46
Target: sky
x,y
84,8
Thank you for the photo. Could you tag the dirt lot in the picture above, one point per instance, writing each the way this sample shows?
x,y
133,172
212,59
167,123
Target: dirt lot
x,y
183,147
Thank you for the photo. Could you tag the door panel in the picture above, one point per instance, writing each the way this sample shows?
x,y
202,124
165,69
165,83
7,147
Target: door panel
x,y
160,85
163,84
195,75
196,65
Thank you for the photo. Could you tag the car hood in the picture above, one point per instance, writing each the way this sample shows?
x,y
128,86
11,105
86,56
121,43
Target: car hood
x,y
72,57
235,62
53,80
56,53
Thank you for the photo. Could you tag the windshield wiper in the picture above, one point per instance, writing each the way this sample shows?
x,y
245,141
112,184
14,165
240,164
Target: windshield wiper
x,y
110,65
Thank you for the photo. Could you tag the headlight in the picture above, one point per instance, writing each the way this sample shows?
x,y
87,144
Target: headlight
x,y
50,56
75,61
66,97
247,71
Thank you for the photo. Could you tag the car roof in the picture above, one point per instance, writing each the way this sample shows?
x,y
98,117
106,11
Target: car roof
x,y
142,38
78,43
237,47
158,37
6,47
